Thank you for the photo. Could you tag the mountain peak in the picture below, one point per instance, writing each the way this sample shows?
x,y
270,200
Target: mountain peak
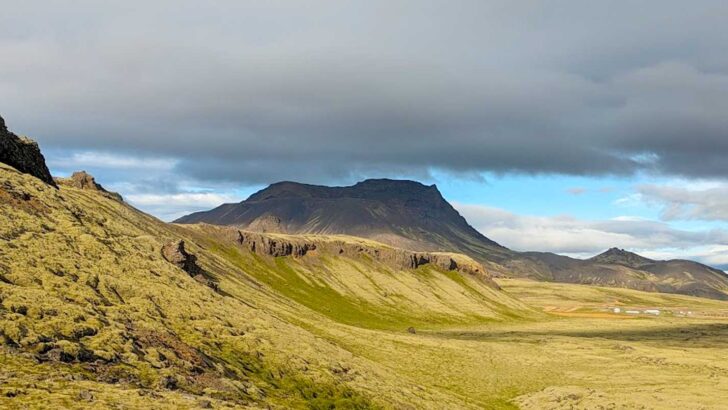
x,y
622,257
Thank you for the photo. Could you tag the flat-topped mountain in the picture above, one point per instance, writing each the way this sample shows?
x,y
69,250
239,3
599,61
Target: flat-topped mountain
x,y
414,216
407,214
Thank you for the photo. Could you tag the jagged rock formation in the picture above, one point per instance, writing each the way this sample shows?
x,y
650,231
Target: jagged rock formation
x,y
280,245
175,253
23,154
84,180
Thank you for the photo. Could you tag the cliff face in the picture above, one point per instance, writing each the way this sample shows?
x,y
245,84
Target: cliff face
x,y
23,154
279,245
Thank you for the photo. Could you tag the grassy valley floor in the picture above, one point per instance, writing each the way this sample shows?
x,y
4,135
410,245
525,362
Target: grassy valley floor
x,y
569,350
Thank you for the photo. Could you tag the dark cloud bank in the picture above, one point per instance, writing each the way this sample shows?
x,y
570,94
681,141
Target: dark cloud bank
x,y
255,92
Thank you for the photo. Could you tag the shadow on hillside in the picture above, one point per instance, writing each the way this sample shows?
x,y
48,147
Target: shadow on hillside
x,y
712,334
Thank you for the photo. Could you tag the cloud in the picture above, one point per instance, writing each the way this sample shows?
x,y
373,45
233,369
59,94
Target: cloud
x,y
585,238
707,201
92,159
256,92
169,207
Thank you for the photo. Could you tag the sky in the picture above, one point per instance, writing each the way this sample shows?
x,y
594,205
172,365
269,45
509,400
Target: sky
x,y
562,126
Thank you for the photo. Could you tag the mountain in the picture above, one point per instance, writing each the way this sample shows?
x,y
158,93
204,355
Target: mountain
x,y
104,306
414,216
620,268
618,256
405,214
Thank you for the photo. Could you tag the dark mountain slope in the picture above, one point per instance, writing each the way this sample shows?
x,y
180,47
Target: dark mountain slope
x,y
400,213
621,257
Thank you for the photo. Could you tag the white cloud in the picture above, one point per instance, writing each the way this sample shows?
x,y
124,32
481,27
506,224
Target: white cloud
x,y
701,201
583,238
105,160
169,207
630,200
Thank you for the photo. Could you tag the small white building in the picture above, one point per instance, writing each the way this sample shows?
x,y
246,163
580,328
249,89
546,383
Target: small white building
x,y
655,312
617,310
632,312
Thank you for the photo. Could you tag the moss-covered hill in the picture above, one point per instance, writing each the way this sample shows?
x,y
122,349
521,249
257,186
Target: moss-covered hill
x,y
91,313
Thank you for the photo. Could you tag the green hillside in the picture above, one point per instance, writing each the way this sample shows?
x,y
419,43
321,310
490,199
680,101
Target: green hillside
x,y
91,309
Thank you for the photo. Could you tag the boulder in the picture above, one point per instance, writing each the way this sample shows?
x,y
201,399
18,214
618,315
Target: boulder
x,y
175,253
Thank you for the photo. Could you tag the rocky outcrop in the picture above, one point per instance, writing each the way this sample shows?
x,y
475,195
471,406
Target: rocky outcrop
x,y
175,253
276,246
23,154
84,180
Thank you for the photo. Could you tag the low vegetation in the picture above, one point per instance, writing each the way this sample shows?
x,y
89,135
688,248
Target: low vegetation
x,y
93,315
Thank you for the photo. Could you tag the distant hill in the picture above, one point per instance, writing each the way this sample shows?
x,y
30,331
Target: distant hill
x,y
621,257
414,216
619,268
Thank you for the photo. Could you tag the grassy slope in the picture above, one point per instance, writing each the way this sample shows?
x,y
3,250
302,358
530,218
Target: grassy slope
x,y
82,281
365,293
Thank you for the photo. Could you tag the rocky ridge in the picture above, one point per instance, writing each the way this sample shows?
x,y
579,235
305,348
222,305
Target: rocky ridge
x,y
84,180
284,245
